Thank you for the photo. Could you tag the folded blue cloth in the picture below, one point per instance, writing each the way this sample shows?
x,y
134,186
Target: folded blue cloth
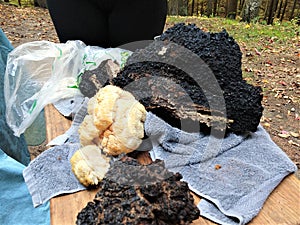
x,y
15,201
234,175
13,146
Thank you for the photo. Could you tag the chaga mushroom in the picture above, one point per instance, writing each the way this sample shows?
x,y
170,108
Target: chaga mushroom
x,y
188,74
93,80
132,193
218,50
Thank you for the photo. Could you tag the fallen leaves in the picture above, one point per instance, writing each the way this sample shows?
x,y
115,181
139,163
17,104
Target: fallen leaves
x,y
271,65
283,135
291,142
26,24
218,166
283,83
294,134
257,52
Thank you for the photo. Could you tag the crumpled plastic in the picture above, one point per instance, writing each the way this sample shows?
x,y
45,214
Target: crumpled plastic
x,y
42,72
14,147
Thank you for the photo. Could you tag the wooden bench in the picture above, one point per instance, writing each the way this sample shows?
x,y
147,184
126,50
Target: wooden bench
x,y
282,207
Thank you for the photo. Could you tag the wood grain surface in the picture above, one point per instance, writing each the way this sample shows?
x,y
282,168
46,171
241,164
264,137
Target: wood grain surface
x,y
281,208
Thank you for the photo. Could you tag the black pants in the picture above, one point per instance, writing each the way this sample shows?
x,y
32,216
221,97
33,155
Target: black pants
x,y
108,23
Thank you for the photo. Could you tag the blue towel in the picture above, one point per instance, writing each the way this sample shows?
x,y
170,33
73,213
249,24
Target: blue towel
x,y
13,146
234,175
15,201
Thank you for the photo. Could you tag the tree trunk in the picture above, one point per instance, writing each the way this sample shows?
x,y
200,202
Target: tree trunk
x,y
40,3
279,9
199,8
215,7
267,9
250,10
173,7
293,10
219,4
283,10
183,7
241,5
209,8
231,8
202,10
193,7
271,12
275,8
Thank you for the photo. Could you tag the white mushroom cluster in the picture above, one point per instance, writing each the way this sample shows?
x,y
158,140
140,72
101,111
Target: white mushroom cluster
x,y
114,125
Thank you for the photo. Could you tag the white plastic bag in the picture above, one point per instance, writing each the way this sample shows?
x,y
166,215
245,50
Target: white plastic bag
x,y
41,72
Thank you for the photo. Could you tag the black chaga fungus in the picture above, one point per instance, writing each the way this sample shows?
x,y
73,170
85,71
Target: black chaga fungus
x,y
188,74
93,80
218,50
133,194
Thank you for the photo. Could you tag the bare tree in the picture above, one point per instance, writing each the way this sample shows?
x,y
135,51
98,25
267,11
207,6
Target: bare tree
x,y
241,4
271,11
173,7
200,8
293,9
231,8
250,10
215,7
209,8
183,7
177,7
279,9
40,3
193,7
283,10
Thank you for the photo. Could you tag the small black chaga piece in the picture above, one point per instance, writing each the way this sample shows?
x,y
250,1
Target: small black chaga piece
x,y
132,193
93,80
188,74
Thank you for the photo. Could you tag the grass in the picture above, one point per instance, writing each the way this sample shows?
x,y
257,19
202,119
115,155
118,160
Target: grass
x,y
24,3
243,32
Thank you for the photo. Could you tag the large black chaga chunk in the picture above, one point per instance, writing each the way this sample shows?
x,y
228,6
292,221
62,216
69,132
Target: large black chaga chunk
x,y
218,50
132,193
190,75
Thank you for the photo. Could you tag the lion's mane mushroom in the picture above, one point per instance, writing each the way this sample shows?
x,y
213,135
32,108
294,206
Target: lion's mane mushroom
x,y
115,121
114,125
89,165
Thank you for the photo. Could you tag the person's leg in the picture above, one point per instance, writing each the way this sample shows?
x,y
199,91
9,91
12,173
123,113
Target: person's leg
x,y
79,20
136,20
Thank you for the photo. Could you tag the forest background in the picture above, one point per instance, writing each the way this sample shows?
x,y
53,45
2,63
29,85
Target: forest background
x,y
245,10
